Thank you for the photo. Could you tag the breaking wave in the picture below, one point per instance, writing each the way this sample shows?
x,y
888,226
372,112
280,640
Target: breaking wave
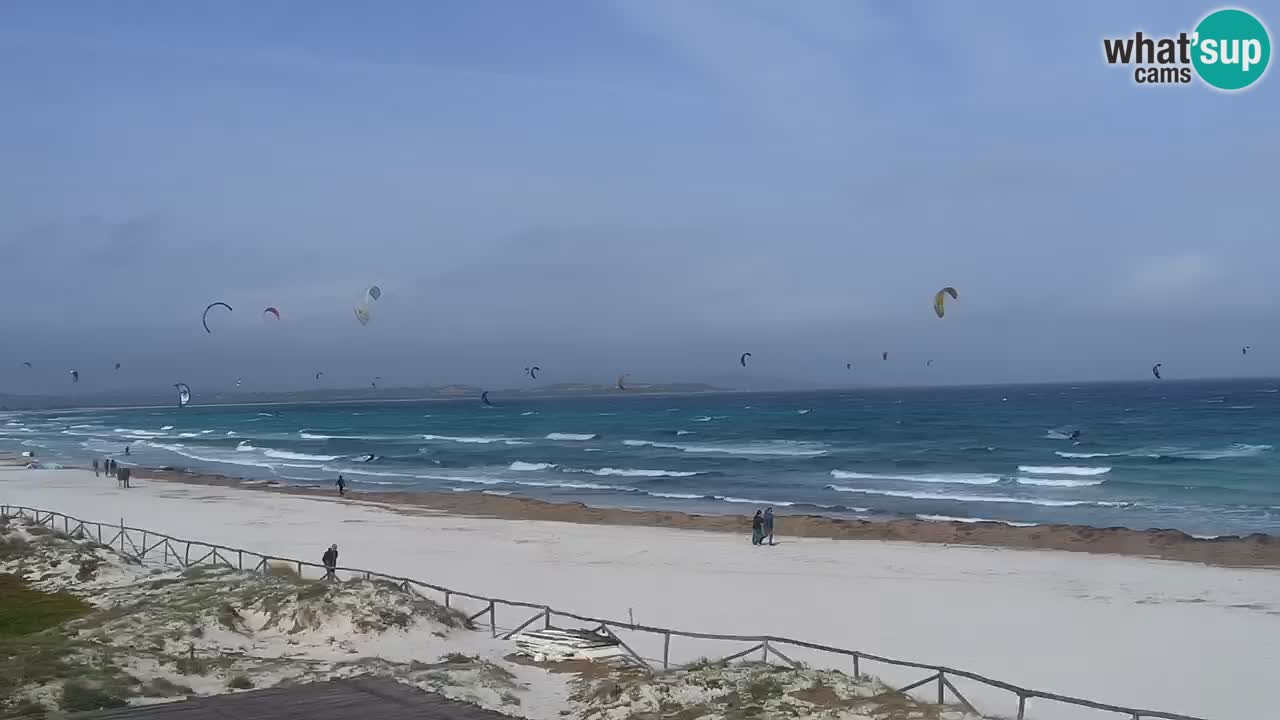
x,y
956,478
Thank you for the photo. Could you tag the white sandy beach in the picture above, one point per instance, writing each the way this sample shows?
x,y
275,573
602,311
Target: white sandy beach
x,y
1162,635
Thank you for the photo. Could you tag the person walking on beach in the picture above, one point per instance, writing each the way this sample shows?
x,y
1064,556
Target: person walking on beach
x,y
126,451
330,560
342,486
757,529
95,467
768,524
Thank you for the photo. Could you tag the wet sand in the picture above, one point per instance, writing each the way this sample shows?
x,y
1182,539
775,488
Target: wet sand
x,y
1257,550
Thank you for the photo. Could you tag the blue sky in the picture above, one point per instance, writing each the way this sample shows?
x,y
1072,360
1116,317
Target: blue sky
x,y
642,185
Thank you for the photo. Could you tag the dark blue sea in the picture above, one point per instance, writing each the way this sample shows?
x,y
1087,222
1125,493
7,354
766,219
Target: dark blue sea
x,y
1196,456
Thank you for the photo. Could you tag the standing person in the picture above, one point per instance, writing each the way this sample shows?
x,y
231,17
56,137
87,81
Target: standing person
x,y
342,486
95,467
124,475
768,524
330,560
111,464
126,451
757,529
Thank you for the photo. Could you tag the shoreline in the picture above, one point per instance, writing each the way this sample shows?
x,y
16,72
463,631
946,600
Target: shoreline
x,y
1256,550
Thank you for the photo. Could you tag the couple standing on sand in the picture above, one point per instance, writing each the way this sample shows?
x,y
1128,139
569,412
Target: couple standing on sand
x,y
762,527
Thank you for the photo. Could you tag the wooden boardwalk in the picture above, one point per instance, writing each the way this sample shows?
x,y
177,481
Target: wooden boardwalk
x,y
359,699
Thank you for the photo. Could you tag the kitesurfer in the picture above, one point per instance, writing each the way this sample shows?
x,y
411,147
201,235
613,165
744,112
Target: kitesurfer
x,y
1075,434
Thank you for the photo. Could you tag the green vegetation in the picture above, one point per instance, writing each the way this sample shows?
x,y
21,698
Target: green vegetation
x,y
24,610
78,696
240,682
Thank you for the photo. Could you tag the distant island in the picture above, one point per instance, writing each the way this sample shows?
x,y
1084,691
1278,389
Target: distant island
x,y
136,398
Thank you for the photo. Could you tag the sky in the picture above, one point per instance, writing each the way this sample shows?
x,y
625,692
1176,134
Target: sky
x,y
643,186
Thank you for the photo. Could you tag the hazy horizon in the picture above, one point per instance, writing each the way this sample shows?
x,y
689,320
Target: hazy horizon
x,y
640,186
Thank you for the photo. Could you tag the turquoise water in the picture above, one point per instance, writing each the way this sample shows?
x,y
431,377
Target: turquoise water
x,y
1193,456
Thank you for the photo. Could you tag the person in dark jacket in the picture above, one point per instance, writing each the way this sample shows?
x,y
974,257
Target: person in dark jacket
x,y
95,467
342,486
757,529
330,560
768,524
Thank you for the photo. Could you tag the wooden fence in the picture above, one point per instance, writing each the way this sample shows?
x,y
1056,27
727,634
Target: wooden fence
x,y
142,544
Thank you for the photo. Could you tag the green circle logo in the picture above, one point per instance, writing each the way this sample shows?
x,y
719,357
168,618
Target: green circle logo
x,y
1232,49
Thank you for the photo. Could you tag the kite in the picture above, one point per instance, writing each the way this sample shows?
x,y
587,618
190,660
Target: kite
x,y
272,311
484,398
940,297
884,355
319,374
117,367
75,376
375,382
204,319
929,364
533,371
1245,350
27,364
742,360
621,379
1155,370
362,313
373,293
848,366
184,394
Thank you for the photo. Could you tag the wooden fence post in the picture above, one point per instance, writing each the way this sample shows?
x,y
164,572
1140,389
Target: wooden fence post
x,y
493,618
121,535
666,650
942,689
546,618
764,651
1022,707
856,673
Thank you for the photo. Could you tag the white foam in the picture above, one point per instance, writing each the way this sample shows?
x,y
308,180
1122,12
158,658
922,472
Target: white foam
x,y
286,455
628,472
766,503
245,446
574,485
1062,470
530,467
1080,456
684,432
956,478
572,436
167,427
1060,482
968,498
677,496
467,440
768,447
948,518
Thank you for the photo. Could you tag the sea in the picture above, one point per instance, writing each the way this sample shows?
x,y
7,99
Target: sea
x,y
1195,456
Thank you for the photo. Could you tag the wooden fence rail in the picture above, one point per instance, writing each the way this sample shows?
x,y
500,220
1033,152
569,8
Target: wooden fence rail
x,y
767,645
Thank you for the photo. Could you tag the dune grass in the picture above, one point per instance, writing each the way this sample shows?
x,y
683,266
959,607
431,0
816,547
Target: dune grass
x,y
24,610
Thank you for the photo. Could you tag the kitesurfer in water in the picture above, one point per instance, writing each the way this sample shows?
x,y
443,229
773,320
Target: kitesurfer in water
x,y
1075,434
